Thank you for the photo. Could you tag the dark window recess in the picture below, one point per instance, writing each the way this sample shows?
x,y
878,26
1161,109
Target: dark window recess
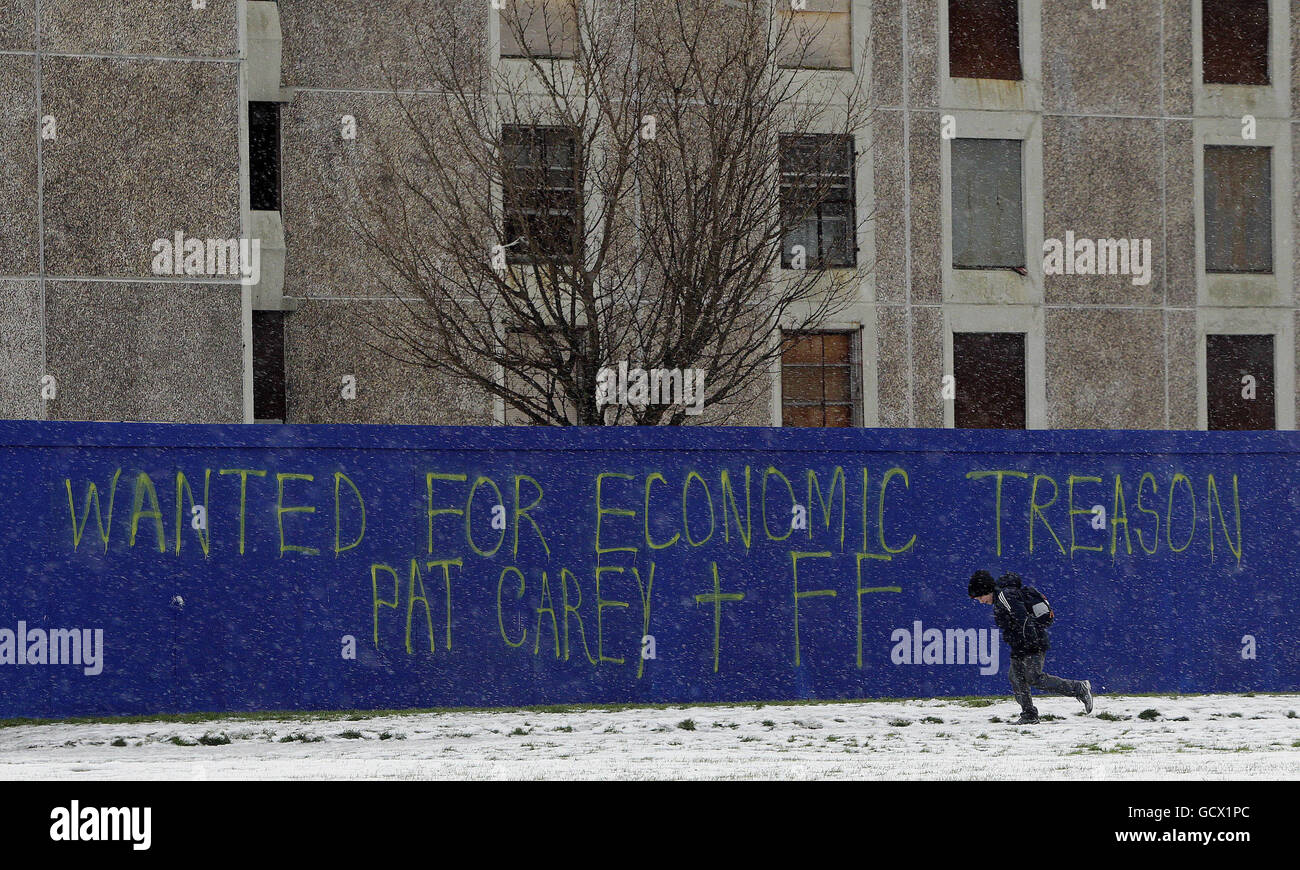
x,y
987,212
1238,209
984,39
817,200
1234,42
990,372
1239,382
540,188
268,365
819,380
264,156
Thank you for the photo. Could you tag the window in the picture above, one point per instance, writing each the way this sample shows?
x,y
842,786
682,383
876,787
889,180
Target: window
x,y
817,37
989,368
264,156
1239,382
1234,42
541,193
268,366
539,28
820,384
817,200
984,39
1238,209
987,223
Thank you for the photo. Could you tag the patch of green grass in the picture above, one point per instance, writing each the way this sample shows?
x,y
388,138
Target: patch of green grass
x,y
932,720
748,739
1112,717
351,735
177,740
1290,714
299,737
768,723
899,723
1180,719
1234,715
686,725
1295,744
981,737
1049,717
355,715
1149,715
996,720
392,735
519,732
567,729
118,742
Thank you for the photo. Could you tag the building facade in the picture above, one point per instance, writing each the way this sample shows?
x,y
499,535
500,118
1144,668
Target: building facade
x,y
1083,215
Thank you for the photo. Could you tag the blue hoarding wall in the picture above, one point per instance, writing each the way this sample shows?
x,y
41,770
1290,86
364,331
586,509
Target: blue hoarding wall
x,y
176,568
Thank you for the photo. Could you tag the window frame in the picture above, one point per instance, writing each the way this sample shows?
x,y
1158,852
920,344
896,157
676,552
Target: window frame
x,y
275,126
854,369
787,64
517,251
817,260
952,194
1024,375
502,28
1205,206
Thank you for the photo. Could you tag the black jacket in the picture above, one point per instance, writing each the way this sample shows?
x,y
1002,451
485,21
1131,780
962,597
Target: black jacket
x,y
1011,613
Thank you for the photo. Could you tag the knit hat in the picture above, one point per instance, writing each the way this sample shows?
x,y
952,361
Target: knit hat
x,y
981,583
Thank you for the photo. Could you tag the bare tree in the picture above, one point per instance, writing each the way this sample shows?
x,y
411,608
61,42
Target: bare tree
x,y
636,183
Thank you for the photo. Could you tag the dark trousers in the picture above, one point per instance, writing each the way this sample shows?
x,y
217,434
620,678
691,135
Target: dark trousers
x,y
1027,672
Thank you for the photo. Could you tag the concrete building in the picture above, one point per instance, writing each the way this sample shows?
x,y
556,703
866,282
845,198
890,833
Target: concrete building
x,y
1014,146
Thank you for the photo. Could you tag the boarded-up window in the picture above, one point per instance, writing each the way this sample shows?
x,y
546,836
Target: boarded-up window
x,y
819,380
1234,42
984,39
541,193
264,156
1238,209
539,28
1239,382
268,366
818,36
817,201
987,220
990,371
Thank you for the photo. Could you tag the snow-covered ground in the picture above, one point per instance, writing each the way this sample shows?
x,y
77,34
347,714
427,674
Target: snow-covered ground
x,y
1221,737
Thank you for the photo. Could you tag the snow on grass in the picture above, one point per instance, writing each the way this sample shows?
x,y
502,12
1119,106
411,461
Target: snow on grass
x,y
1148,737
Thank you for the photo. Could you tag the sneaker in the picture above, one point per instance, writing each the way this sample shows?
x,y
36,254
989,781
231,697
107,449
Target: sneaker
x,y
1086,696
1027,719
